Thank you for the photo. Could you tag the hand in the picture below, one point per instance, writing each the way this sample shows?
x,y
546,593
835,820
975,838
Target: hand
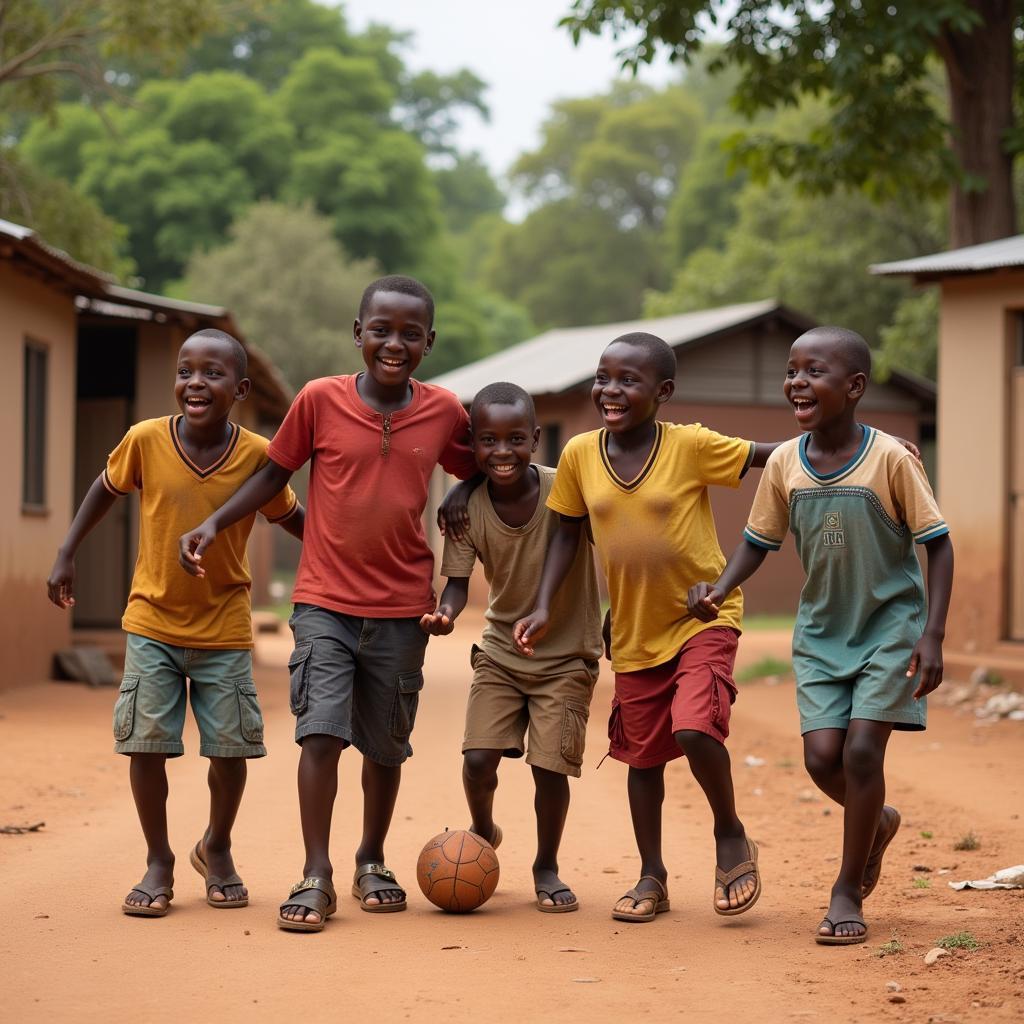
x,y
529,630
606,634
191,546
704,600
453,514
60,585
440,622
910,446
926,659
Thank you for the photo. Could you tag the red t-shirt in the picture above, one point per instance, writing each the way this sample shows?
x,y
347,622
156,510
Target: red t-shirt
x,y
363,550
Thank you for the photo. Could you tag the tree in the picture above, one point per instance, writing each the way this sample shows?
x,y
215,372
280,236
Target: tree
x,y
291,286
884,130
468,192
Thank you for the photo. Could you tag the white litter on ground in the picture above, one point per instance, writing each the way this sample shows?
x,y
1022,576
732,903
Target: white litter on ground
x,y
1007,878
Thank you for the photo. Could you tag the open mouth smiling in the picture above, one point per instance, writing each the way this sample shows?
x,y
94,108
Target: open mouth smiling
x,y
503,468
391,363
196,402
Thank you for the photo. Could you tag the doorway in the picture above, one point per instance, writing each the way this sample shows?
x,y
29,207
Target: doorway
x,y
1016,488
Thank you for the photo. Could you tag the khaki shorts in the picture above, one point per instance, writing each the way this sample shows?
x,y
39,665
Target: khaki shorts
x,y
504,705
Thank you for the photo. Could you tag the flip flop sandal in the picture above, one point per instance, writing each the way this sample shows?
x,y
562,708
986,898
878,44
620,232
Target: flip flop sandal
x,y
555,908
216,881
659,897
371,879
726,878
137,910
874,863
316,894
842,940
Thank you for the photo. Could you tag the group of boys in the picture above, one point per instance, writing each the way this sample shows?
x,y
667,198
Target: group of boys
x,y
636,491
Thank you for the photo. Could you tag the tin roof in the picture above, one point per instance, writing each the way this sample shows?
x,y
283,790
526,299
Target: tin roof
x,y
972,259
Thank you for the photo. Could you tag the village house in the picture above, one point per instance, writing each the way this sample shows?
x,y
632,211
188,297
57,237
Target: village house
x,y
981,447
86,359
731,365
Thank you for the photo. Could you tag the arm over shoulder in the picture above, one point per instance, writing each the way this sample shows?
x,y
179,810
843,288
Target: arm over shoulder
x,y
457,455
913,495
721,459
566,495
769,515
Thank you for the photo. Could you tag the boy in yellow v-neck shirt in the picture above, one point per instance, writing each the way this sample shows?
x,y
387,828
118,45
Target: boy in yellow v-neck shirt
x,y
179,626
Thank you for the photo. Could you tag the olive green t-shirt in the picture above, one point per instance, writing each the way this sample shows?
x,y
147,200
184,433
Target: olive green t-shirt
x,y
513,558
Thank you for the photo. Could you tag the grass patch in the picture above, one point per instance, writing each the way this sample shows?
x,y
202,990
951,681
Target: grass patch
x,y
922,883
762,622
891,948
785,763
926,835
967,842
762,668
959,940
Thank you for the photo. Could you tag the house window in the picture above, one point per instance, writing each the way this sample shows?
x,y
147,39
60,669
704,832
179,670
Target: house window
x,y
552,443
33,485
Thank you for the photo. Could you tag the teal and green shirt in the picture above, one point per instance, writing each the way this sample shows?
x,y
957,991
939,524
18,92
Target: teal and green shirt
x,y
855,531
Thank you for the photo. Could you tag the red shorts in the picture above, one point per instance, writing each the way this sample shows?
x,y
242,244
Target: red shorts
x,y
695,690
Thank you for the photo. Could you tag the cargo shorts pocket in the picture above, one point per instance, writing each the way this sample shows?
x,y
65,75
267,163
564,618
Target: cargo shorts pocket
x,y
124,709
249,713
574,731
298,671
616,734
723,696
407,699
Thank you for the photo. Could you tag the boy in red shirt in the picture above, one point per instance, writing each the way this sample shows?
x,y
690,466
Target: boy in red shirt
x,y
364,578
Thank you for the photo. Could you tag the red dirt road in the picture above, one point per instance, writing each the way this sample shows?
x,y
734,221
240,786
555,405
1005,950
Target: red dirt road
x,y
68,954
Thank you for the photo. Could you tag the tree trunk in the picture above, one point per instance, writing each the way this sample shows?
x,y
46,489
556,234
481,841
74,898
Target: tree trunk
x,y
980,74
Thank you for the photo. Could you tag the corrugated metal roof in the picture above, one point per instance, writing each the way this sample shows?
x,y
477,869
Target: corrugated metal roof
x,y
559,359
31,242
1004,252
150,300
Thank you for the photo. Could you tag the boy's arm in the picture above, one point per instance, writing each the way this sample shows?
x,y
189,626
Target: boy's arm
x,y
704,599
452,602
97,503
927,655
259,489
453,513
557,563
762,449
295,522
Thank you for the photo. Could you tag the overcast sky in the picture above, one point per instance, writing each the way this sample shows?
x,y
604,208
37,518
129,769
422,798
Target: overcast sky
x,y
517,48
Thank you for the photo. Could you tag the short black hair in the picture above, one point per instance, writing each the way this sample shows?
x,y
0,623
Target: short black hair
x,y
656,352
851,347
402,285
238,352
503,393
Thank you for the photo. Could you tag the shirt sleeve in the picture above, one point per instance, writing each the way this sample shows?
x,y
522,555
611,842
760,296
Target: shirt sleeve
x,y
459,557
123,472
769,515
913,495
566,497
721,459
281,506
457,455
292,445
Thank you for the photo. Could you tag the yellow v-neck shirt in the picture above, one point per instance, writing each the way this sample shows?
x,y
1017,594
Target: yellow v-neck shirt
x,y
655,535
176,495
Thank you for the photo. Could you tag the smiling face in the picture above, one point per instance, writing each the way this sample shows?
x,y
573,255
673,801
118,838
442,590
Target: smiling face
x,y
207,383
394,334
820,384
504,439
627,390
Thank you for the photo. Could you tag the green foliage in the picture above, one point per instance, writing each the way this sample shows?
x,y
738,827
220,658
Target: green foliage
x,y
291,286
959,940
910,341
764,668
891,948
922,883
468,192
927,835
431,101
472,326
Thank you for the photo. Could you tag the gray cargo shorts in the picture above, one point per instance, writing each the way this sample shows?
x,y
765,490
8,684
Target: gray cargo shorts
x,y
357,679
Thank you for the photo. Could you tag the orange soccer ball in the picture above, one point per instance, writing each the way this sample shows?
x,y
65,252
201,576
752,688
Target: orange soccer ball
x,y
457,871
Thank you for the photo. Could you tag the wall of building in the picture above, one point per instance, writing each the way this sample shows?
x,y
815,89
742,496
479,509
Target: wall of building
x,y
31,628
975,335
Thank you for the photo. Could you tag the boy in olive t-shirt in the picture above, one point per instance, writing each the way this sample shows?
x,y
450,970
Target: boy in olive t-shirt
x,y
548,697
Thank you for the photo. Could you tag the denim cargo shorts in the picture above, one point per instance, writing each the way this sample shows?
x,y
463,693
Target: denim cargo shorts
x,y
357,679
149,715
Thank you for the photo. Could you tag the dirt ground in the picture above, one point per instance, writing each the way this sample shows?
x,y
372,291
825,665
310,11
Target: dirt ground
x,y
68,954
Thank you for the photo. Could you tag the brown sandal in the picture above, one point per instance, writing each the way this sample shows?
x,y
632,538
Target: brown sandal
x,y
371,879
658,896
555,908
138,910
316,894
216,882
726,878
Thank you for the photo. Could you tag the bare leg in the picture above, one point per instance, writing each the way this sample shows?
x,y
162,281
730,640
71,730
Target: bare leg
x,y
480,780
318,789
380,791
646,788
226,778
863,770
148,774
712,768
551,803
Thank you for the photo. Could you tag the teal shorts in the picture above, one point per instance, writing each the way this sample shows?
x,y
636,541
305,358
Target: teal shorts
x,y
149,715
875,694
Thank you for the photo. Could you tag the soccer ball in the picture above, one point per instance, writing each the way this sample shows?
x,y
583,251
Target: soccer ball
x,y
457,871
